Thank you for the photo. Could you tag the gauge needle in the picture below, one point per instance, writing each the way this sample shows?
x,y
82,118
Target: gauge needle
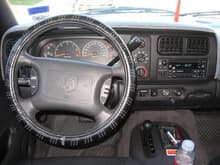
x,y
60,55
88,54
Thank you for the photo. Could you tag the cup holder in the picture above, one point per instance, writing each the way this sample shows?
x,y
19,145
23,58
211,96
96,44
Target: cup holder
x,y
149,141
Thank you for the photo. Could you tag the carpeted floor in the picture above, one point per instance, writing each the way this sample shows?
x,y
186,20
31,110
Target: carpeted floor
x,y
119,144
184,118
209,131
70,124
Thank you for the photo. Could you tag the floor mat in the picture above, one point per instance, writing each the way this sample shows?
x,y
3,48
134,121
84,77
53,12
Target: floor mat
x,y
67,124
209,131
119,144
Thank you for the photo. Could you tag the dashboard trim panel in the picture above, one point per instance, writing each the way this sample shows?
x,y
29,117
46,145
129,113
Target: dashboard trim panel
x,y
136,26
191,88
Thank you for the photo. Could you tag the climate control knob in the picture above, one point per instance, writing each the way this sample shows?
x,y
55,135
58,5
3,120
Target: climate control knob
x,y
140,58
142,72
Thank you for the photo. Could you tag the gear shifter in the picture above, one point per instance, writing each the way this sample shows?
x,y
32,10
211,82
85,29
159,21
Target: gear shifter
x,y
147,139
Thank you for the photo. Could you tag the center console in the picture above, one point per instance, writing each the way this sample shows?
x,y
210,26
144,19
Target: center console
x,y
156,142
174,68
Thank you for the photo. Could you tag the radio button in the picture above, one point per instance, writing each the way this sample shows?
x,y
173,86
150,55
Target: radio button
x,y
177,92
164,62
143,92
174,76
154,92
165,92
203,66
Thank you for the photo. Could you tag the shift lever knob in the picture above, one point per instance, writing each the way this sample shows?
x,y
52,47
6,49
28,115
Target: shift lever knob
x,y
147,139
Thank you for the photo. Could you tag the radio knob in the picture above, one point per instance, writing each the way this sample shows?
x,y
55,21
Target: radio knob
x,y
164,62
142,72
165,92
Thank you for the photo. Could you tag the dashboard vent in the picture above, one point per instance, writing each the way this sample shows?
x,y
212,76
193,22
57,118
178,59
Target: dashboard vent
x,y
9,44
197,46
170,45
183,45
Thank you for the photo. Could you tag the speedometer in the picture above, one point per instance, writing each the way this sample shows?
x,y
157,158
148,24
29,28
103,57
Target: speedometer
x,y
67,49
94,49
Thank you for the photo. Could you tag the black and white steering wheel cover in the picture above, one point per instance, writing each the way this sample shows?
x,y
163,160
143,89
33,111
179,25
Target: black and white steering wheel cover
x,y
92,136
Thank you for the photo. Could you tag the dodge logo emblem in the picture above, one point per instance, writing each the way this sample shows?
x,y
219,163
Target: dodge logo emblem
x,y
69,84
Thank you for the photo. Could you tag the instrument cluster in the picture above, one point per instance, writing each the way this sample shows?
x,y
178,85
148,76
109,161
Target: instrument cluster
x,y
95,50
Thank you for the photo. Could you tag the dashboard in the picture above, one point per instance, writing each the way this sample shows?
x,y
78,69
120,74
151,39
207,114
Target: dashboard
x,y
175,67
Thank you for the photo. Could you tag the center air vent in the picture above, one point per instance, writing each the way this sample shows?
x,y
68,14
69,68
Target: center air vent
x,y
170,45
181,45
197,46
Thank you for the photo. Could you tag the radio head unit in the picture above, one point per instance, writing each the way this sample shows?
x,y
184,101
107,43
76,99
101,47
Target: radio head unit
x,y
169,69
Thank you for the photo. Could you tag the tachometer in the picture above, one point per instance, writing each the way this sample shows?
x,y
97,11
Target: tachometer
x,y
94,49
67,49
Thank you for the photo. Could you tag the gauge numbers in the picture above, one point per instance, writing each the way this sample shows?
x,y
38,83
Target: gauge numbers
x,y
67,49
97,51
94,49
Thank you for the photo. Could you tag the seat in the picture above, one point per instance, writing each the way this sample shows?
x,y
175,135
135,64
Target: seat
x,y
81,161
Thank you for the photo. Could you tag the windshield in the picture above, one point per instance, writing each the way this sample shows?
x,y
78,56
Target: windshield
x,y
27,11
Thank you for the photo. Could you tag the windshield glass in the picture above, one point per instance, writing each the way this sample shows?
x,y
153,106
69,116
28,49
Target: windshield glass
x,y
27,11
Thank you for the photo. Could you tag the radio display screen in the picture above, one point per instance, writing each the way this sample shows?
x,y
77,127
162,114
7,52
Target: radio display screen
x,y
184,65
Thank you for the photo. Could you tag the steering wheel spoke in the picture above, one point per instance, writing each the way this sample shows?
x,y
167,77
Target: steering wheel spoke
x,y
118,71
103,115
29,108
25,59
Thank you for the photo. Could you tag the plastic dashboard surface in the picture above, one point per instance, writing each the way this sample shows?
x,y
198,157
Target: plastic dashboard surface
x,y
192,50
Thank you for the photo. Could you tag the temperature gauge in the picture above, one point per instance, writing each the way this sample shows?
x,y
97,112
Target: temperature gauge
x,y
48,50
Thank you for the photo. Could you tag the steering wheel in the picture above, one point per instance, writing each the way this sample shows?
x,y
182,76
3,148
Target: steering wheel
x,y
69,85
